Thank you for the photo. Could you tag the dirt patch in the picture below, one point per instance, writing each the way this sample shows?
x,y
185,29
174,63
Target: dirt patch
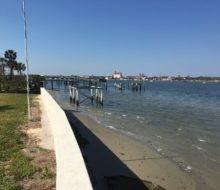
x,y
44,160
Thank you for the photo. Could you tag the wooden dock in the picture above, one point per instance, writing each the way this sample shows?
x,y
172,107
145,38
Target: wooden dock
x,y
134,86
77,97
137,86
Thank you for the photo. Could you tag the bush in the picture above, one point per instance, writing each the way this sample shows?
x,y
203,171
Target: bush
x,y
18,84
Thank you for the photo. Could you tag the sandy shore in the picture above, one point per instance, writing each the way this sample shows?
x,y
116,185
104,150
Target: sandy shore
x,y
109,153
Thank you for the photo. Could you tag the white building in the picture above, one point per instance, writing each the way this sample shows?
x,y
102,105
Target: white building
x,y
116,75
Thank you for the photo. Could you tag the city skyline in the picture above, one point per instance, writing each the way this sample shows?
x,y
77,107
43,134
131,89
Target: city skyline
x,y
98,37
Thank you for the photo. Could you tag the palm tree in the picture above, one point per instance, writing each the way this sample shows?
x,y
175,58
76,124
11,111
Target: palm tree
x,y
20,67
10,57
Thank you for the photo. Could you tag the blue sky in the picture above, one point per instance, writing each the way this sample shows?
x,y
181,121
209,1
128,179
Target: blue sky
x,y
85,37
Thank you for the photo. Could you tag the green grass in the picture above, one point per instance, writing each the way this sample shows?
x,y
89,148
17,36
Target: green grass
x,y
46,173
14,165
21,167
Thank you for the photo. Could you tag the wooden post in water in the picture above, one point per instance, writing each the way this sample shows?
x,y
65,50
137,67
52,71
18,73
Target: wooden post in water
x,y
51,84
101,97
91,94
96,95
74,95
106,86
71,94
77,97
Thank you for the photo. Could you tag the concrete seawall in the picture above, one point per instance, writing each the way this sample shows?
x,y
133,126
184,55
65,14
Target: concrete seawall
x,y
71,169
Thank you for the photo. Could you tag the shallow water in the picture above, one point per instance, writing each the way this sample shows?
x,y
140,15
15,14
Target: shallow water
x,y
180,120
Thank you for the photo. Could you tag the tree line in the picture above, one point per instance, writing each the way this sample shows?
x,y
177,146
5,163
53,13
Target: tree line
x,y
9,61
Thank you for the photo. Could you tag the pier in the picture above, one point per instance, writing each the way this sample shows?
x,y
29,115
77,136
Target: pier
x,y
76,81
137,86
95,94
134,86
66,80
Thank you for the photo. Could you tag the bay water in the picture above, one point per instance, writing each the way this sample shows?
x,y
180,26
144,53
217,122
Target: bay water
x,y
179,120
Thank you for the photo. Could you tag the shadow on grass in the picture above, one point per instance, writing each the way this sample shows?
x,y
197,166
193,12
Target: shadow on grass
x,y
106,170
3,108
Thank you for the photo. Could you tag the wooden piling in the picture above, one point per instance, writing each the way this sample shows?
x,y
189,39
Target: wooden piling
x,y
75,96
51,84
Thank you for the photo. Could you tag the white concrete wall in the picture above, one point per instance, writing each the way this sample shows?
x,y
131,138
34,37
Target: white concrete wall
x,y
71,169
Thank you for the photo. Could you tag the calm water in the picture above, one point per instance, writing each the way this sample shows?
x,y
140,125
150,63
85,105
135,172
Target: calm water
x,y
180,120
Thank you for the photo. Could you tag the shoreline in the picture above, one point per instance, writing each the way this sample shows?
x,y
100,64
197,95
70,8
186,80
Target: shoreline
x,y
142,161
201,179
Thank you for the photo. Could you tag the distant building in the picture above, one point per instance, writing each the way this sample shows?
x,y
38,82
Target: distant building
x,y
116,75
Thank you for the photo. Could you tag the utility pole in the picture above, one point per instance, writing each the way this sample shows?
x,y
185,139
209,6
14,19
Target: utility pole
x,y
26,59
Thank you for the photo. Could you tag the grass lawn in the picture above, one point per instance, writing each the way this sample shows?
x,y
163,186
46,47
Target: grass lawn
x,y
14,165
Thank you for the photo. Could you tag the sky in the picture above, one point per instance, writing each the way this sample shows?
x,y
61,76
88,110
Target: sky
x,y
97,37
